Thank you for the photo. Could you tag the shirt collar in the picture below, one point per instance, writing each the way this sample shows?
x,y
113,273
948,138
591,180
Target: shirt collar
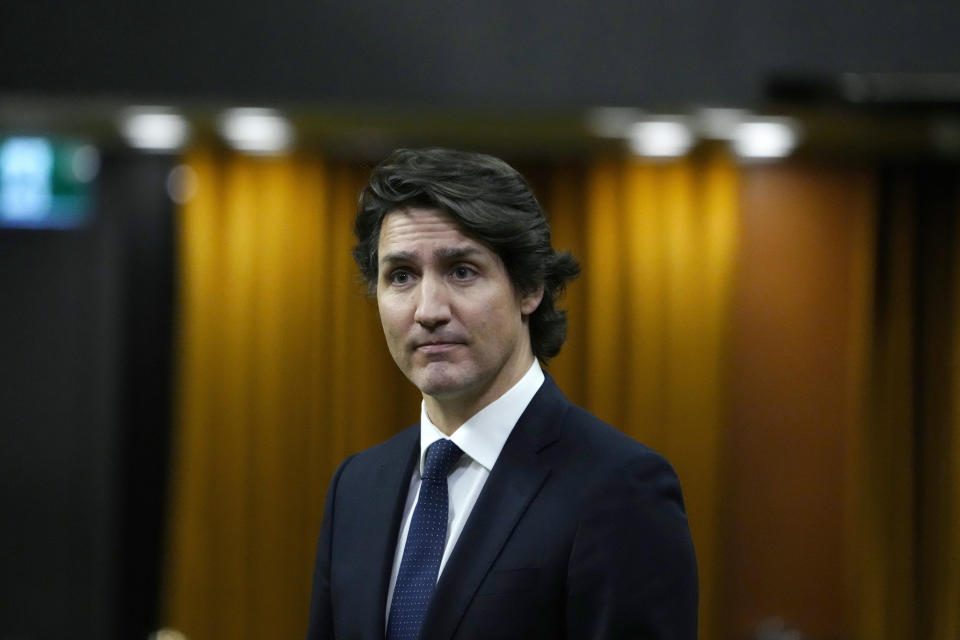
x,y
484,434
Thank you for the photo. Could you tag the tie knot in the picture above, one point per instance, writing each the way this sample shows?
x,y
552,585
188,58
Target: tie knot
x,y
441,457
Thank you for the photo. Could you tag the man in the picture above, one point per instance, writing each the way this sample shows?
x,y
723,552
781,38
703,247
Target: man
x,y
507,512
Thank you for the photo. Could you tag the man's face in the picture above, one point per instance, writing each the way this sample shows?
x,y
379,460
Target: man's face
x,y
453,322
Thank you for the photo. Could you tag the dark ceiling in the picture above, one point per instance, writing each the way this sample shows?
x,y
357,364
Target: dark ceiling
x,y
469,53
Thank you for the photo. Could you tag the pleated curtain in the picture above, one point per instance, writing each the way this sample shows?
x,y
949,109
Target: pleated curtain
x,y
282,372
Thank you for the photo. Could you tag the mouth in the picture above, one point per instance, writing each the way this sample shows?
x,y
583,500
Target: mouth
x,y
437,347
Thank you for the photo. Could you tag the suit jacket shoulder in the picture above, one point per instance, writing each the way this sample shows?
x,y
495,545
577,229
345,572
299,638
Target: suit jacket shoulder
x,y
358,534
579,531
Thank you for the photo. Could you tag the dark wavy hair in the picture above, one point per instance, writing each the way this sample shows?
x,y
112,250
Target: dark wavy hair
x,y
493,204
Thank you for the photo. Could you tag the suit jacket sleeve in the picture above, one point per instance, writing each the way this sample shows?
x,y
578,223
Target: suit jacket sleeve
x,y
321,610
632,571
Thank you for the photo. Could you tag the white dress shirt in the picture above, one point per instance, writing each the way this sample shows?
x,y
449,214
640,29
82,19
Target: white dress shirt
x,y
480,438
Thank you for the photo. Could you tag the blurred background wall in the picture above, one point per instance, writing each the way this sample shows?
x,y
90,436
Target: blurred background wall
x,y
186,352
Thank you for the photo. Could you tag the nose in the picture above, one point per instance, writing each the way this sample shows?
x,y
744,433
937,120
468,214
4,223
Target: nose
x,y
433,307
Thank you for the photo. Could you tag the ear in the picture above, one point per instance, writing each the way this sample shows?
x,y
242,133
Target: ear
x,y
530,301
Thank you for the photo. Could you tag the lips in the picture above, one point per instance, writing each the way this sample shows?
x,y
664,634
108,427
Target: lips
x,y
437,346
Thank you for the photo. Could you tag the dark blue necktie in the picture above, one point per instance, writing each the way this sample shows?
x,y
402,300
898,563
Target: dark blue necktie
x,y
424,548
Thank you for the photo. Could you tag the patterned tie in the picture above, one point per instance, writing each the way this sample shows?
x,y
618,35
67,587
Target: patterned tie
x,y
425,541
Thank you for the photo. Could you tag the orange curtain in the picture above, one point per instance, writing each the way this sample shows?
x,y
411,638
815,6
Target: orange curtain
x,y
885,563
914,487
802,313
279,349
650,319
278,352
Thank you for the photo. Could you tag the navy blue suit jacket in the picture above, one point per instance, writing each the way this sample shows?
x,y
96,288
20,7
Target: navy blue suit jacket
x,y
579,532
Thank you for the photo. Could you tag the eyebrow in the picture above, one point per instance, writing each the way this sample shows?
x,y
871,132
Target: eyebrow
x,y
455,253
443,253
396,256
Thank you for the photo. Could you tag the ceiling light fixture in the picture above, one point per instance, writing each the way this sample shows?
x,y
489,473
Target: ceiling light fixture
x,y
154,128
667,137
765,138
256,130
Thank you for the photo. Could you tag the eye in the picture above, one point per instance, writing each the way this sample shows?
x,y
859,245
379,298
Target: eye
x,y
399,276
463,272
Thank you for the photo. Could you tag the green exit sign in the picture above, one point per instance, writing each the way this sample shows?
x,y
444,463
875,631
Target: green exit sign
x,y
46,182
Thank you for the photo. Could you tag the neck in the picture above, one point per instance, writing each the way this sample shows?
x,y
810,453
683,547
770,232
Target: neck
x,y
449,412
445,417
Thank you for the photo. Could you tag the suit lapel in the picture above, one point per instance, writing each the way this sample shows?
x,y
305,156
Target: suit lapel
x,y
514,482
388,494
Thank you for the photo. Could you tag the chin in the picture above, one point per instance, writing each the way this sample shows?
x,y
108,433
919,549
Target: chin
x,y
440,388
441,383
